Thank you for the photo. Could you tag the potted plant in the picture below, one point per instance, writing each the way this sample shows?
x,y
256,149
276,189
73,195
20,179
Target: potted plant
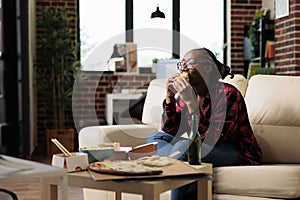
x,y
56,69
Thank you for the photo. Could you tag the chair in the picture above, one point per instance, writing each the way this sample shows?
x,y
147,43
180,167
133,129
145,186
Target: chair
x,y
7,195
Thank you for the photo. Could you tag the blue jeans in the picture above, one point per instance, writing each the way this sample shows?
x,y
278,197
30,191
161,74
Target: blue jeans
x,y
219,155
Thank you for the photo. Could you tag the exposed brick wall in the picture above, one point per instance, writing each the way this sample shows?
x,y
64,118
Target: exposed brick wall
x,y
242,12
287,37
89,95
69,4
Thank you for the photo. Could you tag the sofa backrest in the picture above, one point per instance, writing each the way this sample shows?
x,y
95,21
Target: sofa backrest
x,y
273,104
152,110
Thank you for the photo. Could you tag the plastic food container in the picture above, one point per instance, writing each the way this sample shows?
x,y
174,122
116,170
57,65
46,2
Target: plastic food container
x,y
97,153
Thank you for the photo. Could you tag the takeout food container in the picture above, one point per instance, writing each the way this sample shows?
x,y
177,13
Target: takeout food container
x,y
129,153
97,153
75,162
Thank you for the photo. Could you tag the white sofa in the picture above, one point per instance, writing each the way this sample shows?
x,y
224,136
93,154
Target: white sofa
x,y
273,104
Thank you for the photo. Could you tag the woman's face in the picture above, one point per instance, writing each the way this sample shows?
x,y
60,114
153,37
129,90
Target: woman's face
x,y
199,65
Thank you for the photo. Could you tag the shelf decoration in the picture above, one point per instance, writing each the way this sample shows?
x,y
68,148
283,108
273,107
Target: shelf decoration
x,y
129,63
270,49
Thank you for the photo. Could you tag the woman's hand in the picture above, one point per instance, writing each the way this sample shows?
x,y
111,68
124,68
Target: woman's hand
x,y
186,93
170,89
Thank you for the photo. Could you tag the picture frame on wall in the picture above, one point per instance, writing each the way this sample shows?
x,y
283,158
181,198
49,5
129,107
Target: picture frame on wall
x,y
281,8
129,63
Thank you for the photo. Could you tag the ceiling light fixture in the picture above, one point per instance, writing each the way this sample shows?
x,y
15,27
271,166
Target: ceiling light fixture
x,y
158,13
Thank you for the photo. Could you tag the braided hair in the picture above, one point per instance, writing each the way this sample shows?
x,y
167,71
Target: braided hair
x,y
223,69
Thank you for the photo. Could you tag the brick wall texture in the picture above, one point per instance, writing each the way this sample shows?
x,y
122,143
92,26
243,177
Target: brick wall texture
x,y
242,13
89,105
287,38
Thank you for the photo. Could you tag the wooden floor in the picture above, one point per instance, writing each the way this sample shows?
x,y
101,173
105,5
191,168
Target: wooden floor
x,y
31,189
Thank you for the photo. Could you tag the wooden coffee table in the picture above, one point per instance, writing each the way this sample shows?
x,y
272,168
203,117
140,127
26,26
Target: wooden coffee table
x,y
149,188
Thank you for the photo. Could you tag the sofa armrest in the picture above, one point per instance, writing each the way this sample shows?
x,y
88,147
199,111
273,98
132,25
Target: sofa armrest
x,y
127,135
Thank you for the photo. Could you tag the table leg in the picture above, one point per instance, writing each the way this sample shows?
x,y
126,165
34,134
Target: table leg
x,y
204,189
118,195
48,191
150,197
64,187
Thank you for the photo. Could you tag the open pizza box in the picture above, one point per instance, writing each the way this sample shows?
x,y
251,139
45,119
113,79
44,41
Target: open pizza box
x,y
133,153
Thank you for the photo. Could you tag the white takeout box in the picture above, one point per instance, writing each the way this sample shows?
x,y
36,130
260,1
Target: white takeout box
x,y
76,162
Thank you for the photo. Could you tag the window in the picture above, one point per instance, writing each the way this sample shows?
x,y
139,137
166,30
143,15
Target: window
x,y
142,20
200,21
99,22
203,22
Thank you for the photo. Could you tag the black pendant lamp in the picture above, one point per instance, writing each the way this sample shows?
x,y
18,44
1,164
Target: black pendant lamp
x,y
115,57
115,53
158,14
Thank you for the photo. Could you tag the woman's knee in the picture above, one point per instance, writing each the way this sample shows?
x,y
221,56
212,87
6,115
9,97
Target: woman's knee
x,y
160,136
154,136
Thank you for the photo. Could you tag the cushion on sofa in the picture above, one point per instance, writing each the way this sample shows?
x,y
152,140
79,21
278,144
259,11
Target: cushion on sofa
x,y
273,100
274,112
152,110
280,144
274,181
236,197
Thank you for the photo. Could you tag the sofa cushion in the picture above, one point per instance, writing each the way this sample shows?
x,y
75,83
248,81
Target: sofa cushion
x,y
273,100
236,197
279,144
274,181
153,109
274,112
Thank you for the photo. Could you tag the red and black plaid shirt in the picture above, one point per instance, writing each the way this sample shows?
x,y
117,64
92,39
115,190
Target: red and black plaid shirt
x,y
223,118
